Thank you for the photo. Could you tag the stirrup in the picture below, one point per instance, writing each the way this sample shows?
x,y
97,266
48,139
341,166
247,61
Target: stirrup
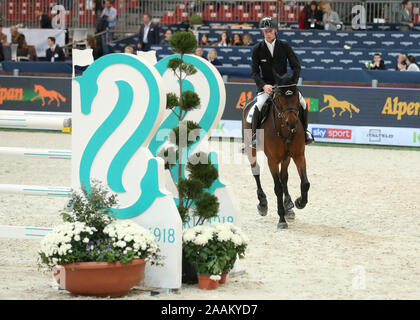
x,y
309,138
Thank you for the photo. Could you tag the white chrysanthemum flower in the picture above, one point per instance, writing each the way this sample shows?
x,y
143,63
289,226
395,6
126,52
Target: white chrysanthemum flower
x,y
201,240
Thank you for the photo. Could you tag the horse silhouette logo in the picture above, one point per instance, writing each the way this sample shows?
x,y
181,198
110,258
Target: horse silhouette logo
x,y
44,93
343,105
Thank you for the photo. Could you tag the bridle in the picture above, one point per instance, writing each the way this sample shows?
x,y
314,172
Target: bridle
x,y
282,114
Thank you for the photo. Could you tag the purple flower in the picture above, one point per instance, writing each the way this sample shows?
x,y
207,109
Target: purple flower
x,y
101,256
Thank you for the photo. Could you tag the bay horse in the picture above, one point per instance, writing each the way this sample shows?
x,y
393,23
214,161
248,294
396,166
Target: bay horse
x,y
283,139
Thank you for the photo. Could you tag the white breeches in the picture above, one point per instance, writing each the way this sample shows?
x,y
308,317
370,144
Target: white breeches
x,y
263,96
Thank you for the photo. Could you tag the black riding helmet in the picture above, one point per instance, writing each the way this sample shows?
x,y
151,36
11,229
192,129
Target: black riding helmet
x,y
268,23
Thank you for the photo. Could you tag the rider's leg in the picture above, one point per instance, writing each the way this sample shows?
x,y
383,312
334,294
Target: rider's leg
x,y
256,119
303,116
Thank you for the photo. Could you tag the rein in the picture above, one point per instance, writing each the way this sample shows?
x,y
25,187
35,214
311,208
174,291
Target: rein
x,y
282,116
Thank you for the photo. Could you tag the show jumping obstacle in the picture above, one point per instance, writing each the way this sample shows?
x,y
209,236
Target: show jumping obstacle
x,y
35,120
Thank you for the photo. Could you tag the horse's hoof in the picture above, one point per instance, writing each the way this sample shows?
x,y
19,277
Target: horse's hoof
x,y
299,204
262,210
290,215
282,225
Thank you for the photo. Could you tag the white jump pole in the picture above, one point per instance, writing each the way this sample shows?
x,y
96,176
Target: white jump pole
x,y
52,191
40,153
17,232
34,122
34,113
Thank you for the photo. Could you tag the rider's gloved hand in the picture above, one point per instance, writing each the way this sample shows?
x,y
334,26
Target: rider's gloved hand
x,y
268,88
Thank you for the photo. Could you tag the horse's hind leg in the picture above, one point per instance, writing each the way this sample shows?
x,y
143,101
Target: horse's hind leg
x,y
304,183
284,177
262,198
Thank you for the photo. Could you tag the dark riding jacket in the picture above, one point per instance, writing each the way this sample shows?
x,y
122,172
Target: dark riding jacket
x,y
263,63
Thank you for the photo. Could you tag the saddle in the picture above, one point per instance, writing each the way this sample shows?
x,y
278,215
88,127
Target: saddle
x,y
264,111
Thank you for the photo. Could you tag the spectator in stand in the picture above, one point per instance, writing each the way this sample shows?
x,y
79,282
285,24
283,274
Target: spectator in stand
x,y
378,63
404,16
14,34
23,50
96,50
302,17
204,41
110,15
199,52
166,37
148,33
54,52
313,18
330,18
224,40
412,64
236,40
212,57
45,21
247,40
129,49
401,64
3,37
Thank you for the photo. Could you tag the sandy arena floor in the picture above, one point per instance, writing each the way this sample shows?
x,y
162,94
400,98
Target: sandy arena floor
x,y
358,238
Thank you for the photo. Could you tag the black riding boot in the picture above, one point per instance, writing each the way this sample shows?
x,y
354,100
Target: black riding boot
x,y
254,125
303,116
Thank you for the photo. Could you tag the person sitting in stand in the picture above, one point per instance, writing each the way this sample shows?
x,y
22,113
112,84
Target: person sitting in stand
x,y
3,37
204,41
166,37
224,40
247,40
378,63
236,40
313,18
401,64
199,52
212,57
54,52
24,50
412,64
97,51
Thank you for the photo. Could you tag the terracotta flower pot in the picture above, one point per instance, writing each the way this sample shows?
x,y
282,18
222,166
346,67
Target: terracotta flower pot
x,y
223,277
205,283
100,279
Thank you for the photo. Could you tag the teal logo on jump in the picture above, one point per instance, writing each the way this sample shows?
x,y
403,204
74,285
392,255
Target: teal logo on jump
x,y
88,91
416,137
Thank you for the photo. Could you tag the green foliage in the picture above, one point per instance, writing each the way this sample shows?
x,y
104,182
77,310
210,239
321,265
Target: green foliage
x,y
196,19
191,100
185,128
207,206
172,101
205,172
93,207
183,42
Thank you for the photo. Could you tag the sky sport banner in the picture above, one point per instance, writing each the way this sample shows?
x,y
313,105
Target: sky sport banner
x,y
35,94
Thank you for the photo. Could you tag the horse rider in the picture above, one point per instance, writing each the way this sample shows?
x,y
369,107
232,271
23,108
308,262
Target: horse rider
x,y
269,54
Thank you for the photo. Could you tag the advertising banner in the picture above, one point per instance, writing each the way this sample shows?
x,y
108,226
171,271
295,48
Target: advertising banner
x,y
35,94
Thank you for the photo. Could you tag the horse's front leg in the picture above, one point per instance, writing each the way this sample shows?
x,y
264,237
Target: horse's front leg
x,y
262,198
278,190
284,177
300,162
